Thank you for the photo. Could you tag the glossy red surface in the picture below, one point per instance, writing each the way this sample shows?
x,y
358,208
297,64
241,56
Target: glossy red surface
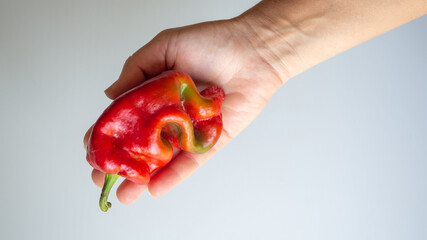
x,y
135,134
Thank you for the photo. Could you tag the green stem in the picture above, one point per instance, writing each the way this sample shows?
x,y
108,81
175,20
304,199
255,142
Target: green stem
x,y
110,179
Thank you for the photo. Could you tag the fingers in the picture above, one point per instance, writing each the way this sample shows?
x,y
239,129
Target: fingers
x,y
131,76
98,177
179,169
128,192
86,137
148,61
167,178
175,172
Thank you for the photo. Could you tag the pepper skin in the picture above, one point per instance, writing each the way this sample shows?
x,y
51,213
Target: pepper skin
x,y
136,134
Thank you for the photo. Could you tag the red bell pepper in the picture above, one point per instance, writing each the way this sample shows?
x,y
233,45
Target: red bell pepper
x,y
136,134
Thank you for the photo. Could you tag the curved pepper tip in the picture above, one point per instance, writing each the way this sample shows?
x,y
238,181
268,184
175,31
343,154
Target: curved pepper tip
x,y
104,205
110,179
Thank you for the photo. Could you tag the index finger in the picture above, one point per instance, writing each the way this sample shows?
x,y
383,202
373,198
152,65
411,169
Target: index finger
x,y
148,61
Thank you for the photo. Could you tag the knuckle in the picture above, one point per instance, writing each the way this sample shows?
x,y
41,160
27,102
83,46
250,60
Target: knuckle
x,y
129,60
165,33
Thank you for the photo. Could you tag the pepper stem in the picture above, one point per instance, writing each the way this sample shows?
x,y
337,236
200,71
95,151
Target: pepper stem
x,y
110,179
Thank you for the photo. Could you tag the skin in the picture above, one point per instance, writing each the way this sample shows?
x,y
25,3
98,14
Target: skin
x,y
251,57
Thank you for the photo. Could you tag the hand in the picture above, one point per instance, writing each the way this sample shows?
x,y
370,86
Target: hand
x,y
220,53
250,57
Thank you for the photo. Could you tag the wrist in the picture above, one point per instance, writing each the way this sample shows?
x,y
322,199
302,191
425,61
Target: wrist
x,y
293,36
281,36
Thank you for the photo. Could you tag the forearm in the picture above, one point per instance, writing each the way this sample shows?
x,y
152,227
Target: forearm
x,y
295,35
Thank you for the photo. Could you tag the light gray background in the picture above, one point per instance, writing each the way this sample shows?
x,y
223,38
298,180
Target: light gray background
x,y
339,152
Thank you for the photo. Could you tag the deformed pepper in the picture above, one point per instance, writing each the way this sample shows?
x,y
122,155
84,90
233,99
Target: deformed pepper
x,y
136,134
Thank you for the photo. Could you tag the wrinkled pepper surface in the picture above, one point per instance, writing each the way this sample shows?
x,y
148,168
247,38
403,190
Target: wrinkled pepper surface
x,y
136,134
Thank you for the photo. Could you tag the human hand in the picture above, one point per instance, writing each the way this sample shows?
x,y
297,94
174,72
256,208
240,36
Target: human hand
x,y
250,57
221,53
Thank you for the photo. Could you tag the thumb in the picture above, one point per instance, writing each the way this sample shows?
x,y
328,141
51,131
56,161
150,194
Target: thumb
x,y
147,62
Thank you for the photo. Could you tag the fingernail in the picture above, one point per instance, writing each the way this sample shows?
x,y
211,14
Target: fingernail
x,y
108,90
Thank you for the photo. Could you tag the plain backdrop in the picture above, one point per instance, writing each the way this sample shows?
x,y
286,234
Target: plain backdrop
x,y
340,152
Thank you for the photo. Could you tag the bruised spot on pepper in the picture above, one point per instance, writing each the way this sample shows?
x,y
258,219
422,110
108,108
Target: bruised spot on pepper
x,y
120,124
110,129
137,157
